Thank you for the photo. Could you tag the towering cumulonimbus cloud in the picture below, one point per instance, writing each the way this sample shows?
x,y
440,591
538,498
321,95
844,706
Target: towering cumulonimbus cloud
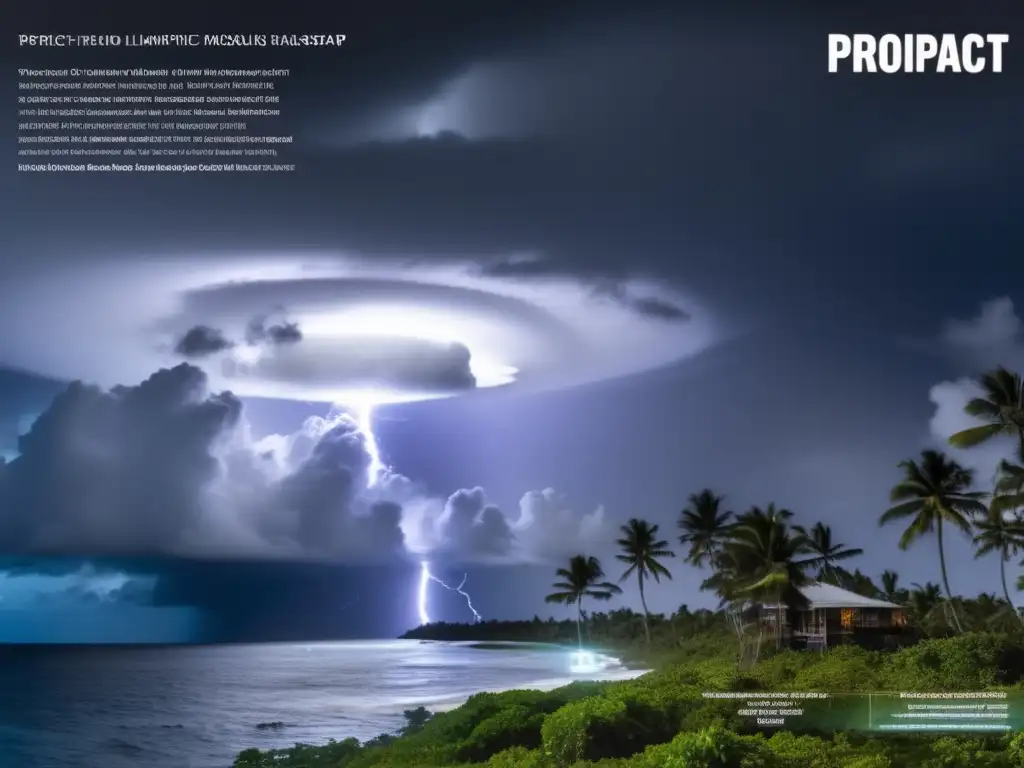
x,y
168,468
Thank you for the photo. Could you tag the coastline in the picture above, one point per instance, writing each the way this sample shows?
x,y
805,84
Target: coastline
x,y
638,720
628,659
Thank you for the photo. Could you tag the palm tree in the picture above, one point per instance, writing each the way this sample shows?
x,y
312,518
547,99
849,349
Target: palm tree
x,y
641,549
934,491
997,533
928,593
860,583
761,560
1001,407
819,539
1009,488
891,587
704,524
993,612
923,600
583,578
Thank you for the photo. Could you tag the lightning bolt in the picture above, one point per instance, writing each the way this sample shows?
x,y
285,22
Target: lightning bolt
x,y
425,578
363,416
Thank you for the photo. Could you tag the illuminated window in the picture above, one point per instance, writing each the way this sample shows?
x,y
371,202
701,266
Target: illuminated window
x,y
846,617
899,618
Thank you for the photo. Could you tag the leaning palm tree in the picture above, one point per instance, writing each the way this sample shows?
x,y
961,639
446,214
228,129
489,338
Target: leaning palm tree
x,y
583,578
934,491
641,549
704,523
1001,407
764,559
1003,535
828,553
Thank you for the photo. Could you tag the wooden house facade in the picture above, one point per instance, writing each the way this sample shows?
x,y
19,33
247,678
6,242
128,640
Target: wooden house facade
x,y
835,616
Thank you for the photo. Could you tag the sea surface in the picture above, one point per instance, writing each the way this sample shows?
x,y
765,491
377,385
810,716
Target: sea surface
x,y
197,707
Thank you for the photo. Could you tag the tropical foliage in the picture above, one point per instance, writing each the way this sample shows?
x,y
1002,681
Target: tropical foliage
x,y
641,550
663,720
756,557
583,578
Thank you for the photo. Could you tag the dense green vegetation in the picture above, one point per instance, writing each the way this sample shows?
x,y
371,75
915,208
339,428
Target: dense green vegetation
x,y
661,720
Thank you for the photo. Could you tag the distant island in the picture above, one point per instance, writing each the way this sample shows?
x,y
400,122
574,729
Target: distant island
x,y
617,632
536,630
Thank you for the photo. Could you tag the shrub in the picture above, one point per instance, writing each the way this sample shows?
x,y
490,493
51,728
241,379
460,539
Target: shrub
x,y
781,670
959,752
971,661
846,669
587,729
516,757
708,748
579,689
251,758
709,674
455,726
708,713
867,761
516,726
1015,750
792,751
334,754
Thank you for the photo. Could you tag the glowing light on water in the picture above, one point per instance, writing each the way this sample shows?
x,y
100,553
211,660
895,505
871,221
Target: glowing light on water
x,y
585,663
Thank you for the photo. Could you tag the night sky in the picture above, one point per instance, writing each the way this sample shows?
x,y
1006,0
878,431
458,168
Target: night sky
x,y
711,264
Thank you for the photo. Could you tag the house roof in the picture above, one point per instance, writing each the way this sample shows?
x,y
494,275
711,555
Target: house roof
x,y
829,596
820,595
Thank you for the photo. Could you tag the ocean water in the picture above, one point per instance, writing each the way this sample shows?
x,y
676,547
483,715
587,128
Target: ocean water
x,y
197,707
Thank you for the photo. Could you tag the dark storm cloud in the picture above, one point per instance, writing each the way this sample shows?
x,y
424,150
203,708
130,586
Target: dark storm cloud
x,y
202,341
829,215
632,180
114,471
258,331
168,468
470,524
319,493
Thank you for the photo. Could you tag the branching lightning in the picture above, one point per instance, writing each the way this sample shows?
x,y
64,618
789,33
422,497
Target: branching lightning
x,y
425,578
363,416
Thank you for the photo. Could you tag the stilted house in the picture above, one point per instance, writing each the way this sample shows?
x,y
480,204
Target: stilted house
x,y
835,616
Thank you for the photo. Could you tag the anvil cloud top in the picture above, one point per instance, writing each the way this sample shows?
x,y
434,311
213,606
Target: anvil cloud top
x,y
325,328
